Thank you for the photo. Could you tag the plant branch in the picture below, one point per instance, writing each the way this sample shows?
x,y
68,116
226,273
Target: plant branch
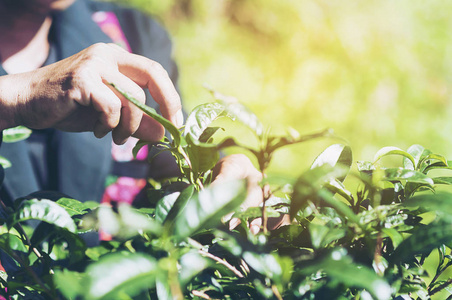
x,y
34,249
244,266
199,246
221,261
200,294
32,273
276,292
440,287
377,254
439,271
266,194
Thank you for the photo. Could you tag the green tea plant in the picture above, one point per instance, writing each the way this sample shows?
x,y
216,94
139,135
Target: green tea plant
x,y
386,236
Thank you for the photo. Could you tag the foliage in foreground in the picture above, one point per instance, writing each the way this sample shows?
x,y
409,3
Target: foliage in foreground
x,y
370,241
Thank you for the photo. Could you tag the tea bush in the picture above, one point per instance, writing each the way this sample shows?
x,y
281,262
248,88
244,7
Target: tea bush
x,y
364,232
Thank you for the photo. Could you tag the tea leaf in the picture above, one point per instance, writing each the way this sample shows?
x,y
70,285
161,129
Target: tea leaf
x,y
423,240
438,165
391,151
132,222
10,242
42,232
208,133
201,117
180,203
129,272
394,235
365,166
338,187
170,205
416,152
440,202
72,244
322,236
341,268
191,263
108,220
67,246
73,207
69,283
278,268
19,133
334,155
432,159
442,180
94,253
245,116
208,206
43,210
309,187
256,212
341,208
162,286
164,206
397,174
239,112
203,157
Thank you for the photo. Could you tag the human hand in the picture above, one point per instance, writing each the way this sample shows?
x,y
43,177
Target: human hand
x,y
74,95
238,166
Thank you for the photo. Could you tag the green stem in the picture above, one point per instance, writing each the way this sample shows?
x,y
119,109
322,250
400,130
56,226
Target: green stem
x,y
440,287
266,195
377,254
276,292
173,276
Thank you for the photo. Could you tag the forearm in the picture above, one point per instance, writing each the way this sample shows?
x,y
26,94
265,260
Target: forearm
x,y
74,95
12,89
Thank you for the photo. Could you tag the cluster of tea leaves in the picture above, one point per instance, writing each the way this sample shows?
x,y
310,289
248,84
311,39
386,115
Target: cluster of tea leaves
x,y
369,242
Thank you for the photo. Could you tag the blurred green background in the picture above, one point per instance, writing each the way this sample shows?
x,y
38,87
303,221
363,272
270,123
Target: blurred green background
x,y
377,72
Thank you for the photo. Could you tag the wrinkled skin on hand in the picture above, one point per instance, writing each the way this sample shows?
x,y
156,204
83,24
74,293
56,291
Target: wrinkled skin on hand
x,y
74,95
238,166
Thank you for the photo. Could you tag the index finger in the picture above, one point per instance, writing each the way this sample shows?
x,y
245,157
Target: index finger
x,y
150,74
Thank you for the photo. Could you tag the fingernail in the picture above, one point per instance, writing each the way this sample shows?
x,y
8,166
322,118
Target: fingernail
x,y
121,142
100,131
179,119
254,229
234,223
